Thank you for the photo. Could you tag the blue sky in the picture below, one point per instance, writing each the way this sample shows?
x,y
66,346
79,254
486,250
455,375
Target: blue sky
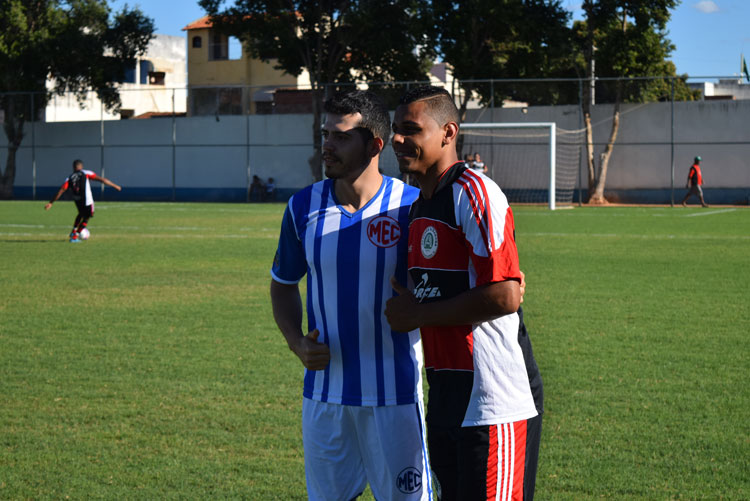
x,y
709,35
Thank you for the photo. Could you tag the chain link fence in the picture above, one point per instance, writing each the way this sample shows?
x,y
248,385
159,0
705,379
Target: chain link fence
x,y
663,123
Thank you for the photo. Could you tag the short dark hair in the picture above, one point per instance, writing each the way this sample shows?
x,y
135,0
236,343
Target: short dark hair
x,y
76,163
375,117
439,102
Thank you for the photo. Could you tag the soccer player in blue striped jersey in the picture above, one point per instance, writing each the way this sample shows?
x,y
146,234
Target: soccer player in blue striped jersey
x,y
362,412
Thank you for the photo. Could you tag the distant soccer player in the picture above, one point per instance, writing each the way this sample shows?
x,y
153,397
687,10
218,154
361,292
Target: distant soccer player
x,y
80,190
694,183
483,417
362,411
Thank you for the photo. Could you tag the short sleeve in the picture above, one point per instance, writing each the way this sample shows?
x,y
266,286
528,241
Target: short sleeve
x,y
487,222
289,263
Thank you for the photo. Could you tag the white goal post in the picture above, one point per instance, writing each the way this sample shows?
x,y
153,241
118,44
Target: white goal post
x,y
532,162
550,129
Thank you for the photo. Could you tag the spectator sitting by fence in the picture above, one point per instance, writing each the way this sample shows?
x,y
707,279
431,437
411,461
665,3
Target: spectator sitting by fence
x,y
270,192
257,190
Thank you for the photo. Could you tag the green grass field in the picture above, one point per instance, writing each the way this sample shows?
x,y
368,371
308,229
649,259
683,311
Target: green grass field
x,y
145,363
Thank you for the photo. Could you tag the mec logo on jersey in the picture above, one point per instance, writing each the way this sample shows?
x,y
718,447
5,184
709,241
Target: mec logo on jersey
x,y
384,231
409,480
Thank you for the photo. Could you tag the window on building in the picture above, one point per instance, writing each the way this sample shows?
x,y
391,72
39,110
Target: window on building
x,y
197,42
218,49
235,48
156,78
129,75
146,68
223,47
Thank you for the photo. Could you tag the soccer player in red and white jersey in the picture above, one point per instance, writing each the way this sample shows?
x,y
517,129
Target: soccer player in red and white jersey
x,y
464,265
80,190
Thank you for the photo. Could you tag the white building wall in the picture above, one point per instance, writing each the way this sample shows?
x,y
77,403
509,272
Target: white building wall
x,y
167,54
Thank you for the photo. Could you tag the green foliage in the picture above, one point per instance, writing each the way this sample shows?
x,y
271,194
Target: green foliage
x,y
335,41
159,372
332,38
74,43
630,40
491,39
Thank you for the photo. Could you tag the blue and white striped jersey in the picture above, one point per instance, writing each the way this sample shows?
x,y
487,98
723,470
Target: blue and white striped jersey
x,y
349,259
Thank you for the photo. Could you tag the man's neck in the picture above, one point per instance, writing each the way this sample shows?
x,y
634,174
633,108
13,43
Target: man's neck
x,y
354,193
429,180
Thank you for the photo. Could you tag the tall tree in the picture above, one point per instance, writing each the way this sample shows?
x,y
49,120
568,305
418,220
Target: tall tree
x,y
496,39
624,39
75,45
335,41
502,39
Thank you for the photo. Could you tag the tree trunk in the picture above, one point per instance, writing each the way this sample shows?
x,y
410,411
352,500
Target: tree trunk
x,y
315,161
464,103
13,126
8,177
598,195
587,104
590,151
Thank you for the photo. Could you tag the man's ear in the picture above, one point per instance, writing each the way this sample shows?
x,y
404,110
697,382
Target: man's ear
x,y
375,146
450,133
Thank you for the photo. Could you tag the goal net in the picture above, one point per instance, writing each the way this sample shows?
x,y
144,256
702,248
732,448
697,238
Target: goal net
x,y
535,163
531,162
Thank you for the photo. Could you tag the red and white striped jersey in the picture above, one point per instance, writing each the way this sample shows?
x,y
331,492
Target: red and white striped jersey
x,y
460,238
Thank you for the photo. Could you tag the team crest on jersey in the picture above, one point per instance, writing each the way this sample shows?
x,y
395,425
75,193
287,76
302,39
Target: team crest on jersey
x,y
384,231
429,242
409,480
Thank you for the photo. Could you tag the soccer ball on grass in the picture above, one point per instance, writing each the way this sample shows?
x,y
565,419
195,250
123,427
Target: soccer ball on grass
x,y
84,234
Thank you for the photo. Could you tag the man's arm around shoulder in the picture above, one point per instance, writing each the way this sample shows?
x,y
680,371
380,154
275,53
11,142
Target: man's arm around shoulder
x,y
480,304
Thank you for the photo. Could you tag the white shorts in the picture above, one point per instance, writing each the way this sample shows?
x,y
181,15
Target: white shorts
x,y
348,446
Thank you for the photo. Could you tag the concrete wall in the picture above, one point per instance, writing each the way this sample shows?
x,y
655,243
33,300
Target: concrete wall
x,y
213,159
210,159
640,168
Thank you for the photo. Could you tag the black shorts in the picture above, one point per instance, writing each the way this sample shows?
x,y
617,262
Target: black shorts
x,y
473,463
85,211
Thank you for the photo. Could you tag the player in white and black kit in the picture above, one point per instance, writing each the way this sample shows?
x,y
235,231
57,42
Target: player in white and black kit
x,y
483,416
80,191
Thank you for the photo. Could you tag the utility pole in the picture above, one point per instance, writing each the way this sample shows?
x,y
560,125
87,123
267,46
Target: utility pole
x,y
592,82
